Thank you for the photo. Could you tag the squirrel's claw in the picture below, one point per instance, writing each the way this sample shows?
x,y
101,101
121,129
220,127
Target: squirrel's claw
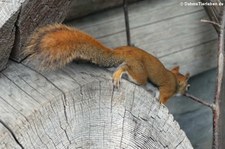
x,y
116,82
116,78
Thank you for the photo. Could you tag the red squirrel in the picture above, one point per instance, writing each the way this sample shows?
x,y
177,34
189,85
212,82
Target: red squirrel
x,y
56,45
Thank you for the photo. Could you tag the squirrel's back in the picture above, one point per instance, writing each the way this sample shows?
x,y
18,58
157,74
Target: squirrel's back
x,y
56,45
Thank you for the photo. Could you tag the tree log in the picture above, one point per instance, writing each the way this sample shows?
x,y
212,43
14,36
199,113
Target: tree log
x,y
77,107
20,18
9,13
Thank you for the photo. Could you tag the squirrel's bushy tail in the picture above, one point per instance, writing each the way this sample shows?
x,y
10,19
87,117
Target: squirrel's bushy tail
x,y
55,45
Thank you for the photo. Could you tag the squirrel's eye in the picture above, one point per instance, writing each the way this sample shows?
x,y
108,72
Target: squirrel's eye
x,y
188,87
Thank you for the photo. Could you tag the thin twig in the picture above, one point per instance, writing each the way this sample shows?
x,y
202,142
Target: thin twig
x,y
127,22
211,22
212,106
213,13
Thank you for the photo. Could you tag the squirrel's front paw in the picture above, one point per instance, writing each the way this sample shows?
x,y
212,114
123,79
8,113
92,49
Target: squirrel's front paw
x,y
117,77
116,82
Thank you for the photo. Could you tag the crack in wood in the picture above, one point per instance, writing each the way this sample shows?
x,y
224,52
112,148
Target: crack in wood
x,y
178,145
12,133
36,128
17,31
63,101
51,105
15,109
70,76
67,136
169,18
121,139
111,105
20,88
63,93
143,25
187,48
43,96
31,142
100,95
45,131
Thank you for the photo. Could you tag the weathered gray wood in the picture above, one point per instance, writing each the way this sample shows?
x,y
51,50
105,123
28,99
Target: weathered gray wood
x,y
31,13
8,16
19,18
6,136
77,107
82,8
169,31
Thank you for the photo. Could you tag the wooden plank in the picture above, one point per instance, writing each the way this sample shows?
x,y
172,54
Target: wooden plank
x,y
161,33
163,39
194,59
141,13
82,8
43,112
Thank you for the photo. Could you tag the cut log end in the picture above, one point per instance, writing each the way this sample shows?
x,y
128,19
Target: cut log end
x,y
77,107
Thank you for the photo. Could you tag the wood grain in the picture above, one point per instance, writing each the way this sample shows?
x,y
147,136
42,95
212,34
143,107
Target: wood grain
x,y
9,11
83,8
77,107
29,19
19,18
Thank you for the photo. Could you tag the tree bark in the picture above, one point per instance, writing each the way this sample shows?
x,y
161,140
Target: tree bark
x,y
77,107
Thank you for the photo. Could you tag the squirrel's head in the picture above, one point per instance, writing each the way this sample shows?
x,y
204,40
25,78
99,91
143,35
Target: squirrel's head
x,y
182,81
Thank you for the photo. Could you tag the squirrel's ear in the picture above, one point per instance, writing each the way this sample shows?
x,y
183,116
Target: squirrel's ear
x,y
187,75
175,70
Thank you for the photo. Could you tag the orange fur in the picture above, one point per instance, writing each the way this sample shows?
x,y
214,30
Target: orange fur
x,y
56,45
